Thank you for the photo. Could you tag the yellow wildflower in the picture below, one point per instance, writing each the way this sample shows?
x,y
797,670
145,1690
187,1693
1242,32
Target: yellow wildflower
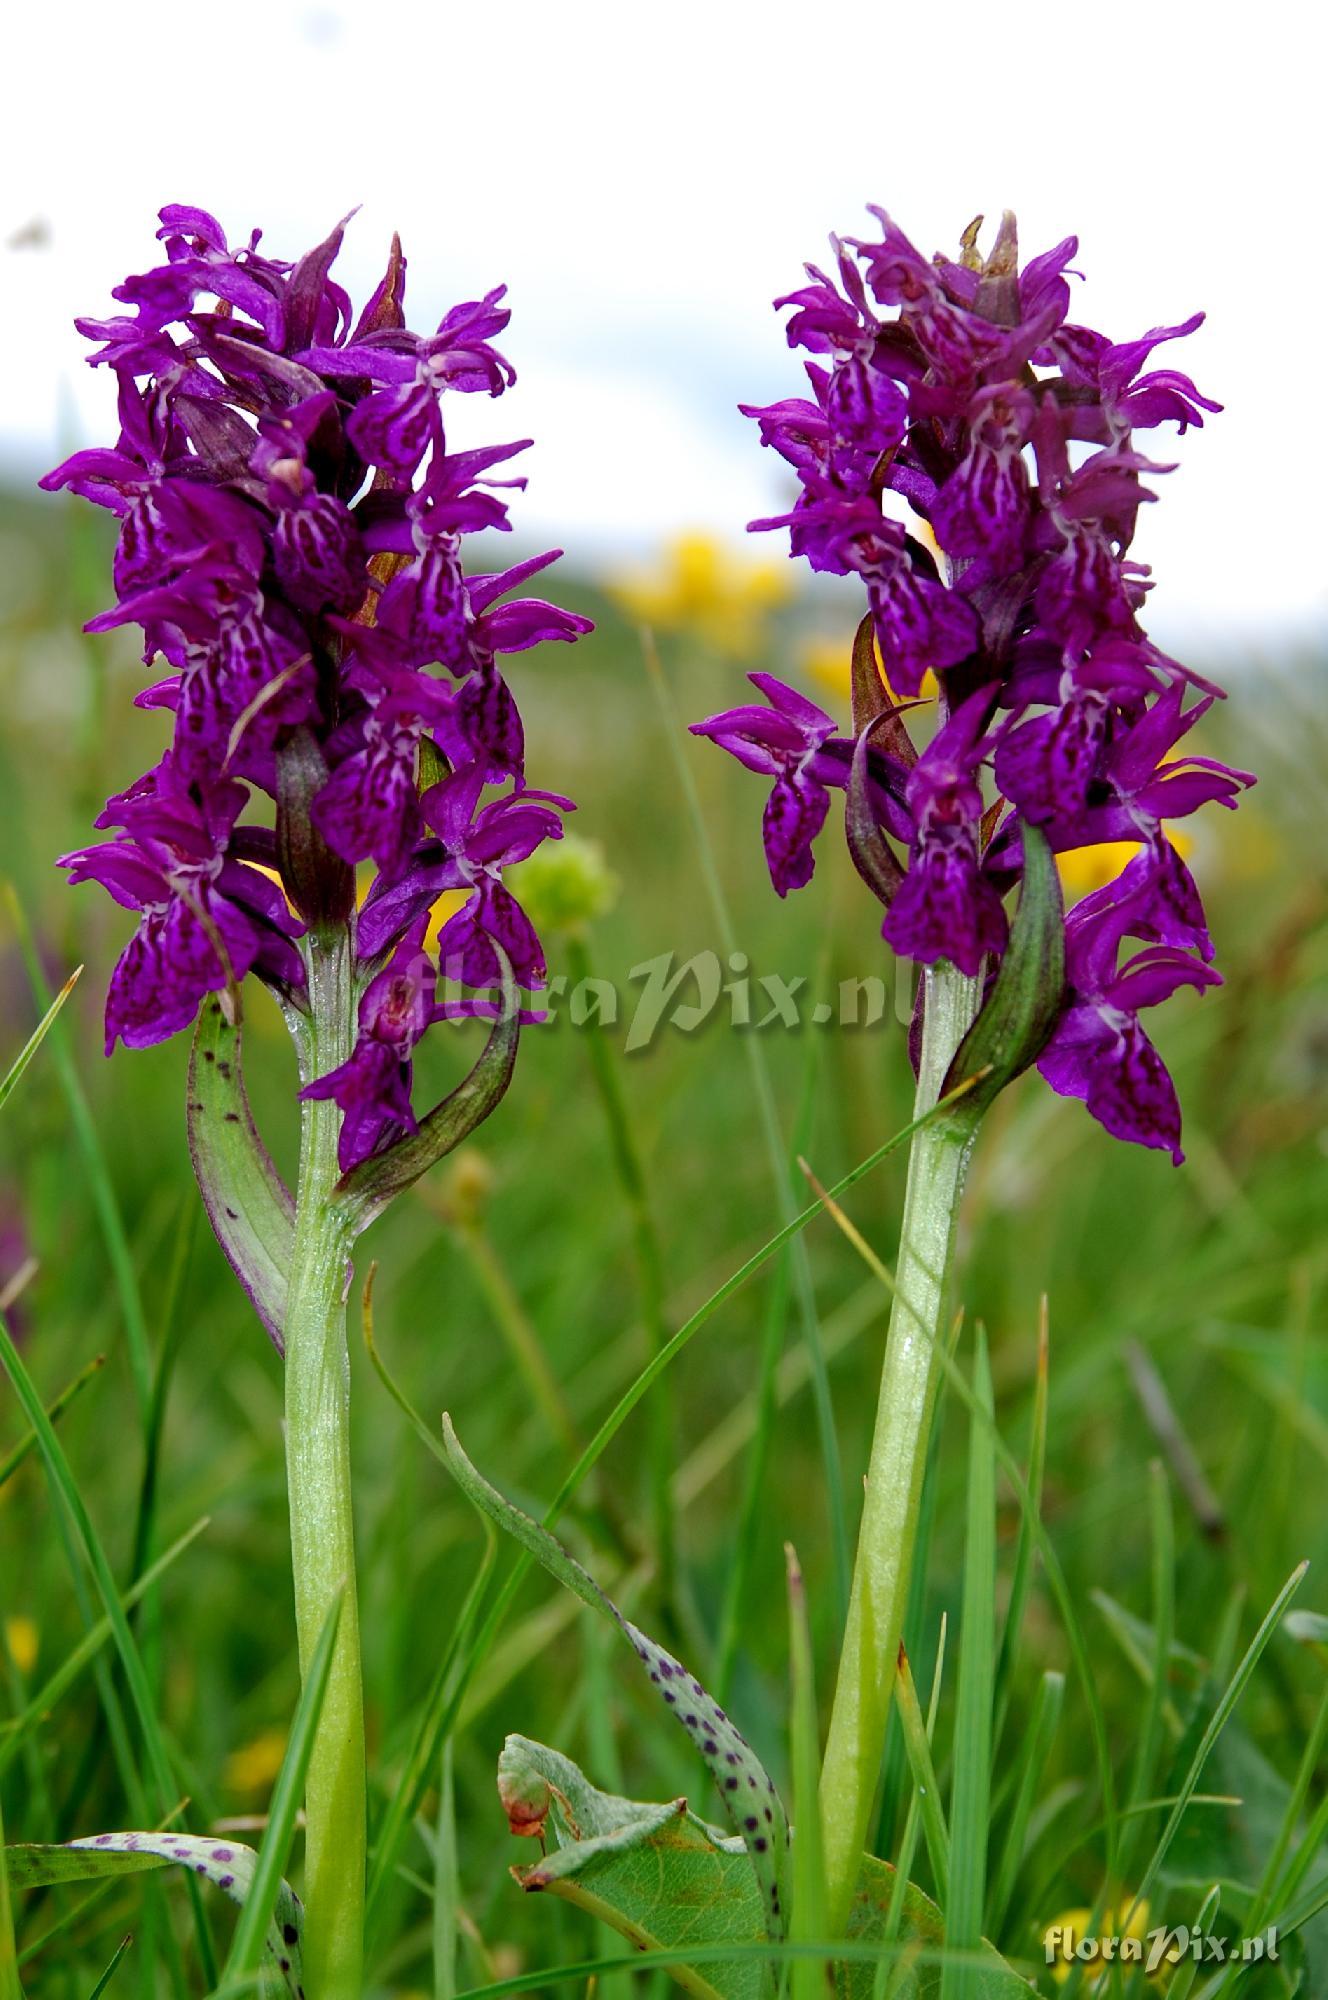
x,y
1069,1942
830,661
254,1765
701,587
21,1639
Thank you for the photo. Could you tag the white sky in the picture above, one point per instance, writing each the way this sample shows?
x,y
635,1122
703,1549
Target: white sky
x,y
647,179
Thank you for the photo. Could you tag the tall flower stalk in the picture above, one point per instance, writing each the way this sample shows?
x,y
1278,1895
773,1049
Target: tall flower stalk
x,y
291,532
1005,619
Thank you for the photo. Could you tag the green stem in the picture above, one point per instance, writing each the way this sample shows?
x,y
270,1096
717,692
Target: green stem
x,y
937,1162
650,1276
318,1475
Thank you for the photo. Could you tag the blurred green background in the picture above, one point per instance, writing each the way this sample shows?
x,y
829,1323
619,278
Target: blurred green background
x,y
1217,1272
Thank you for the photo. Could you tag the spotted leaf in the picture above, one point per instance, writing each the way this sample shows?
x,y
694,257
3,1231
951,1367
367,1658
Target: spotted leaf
x,y
753,1805
225,1863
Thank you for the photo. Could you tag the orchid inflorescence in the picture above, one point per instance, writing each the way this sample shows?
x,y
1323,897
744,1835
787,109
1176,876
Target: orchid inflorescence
x,y
299,573
961,390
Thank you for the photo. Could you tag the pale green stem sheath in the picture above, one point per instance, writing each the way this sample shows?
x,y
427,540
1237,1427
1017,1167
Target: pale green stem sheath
x,y
319,1486
937,1163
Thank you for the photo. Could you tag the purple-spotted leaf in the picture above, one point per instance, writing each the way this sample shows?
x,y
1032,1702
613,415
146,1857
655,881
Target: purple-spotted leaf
x,y
753,1805
665,1880
225,1863
368,1188
248,1204
1025,998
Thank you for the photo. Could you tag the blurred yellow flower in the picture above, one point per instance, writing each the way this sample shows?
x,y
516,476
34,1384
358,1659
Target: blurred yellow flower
x,y
1086,868
702,587
254,1765
830,662
21,1639
1070,1930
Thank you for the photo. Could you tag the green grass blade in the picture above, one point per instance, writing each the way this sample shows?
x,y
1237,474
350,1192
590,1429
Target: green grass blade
x,y
751,1508
10,1988
438,1713
250,1937
25,1447
809,1892
65,1488
1216,1724
1316,1830
446,1886
971,1784
1022,1575
1030,1765
37,1037
40,1704
1149,1743
109,1973
926,1791
913,1818
635,1185
776,1148
99,1177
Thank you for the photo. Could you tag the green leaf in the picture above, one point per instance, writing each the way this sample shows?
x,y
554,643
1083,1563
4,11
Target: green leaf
x,y
228,1865
970,1795
37,1037
368,1188
750,1799
665,1879
1014,1025
248,1204
267,1894
109,1973
809,1890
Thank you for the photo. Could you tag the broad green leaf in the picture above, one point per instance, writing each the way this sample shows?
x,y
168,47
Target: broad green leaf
x,y
368,1188
247,1202
227,1864
665,1879
1020,1012
750,1799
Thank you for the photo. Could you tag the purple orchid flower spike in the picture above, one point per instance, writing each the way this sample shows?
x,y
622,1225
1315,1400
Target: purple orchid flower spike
x,y
960,389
